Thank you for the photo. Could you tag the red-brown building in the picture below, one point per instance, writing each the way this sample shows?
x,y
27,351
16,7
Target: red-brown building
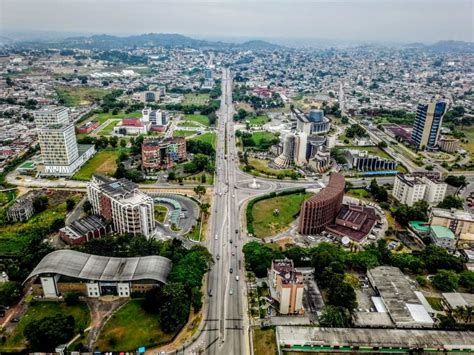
x,y
88,127
162,153
354,222
321,209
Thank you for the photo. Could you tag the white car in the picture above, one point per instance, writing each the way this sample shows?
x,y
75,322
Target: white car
x,y
215,237
231,291
237,278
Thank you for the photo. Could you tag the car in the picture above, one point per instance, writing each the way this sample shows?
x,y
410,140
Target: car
x,y
230,241
220,193
210,292
233,196
218,257
231,291
233,253
236,231
215,237
231,270
14,320
237,278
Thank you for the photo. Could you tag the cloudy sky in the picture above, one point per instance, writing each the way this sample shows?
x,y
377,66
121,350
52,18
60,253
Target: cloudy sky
x,y
361,20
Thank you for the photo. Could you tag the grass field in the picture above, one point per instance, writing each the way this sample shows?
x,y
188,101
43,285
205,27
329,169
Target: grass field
x,y
117,335
181,133
359,193
257,137
15,236
109,128
262,166
103,162
267,223
6,197
195,99
102,117
16,341
202,119
81,95
258,120
469,132
187,124
210,138
264,342
160,213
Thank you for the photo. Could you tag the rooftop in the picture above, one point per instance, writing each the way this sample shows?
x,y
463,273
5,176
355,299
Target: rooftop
x,y
420,226
355,222
452,214
442,232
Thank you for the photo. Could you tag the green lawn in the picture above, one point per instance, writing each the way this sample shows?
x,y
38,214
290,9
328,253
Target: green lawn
x,y
81,95
103,162
266,223
102,117
160,213
6,197
181,133
188,124
202,119
210,138
195,99
262,166
359,193
16,341
107,130
258,120
131,327
15,236
257,137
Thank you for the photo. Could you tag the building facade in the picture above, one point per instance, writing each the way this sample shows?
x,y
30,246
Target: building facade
x,y
361,160
435,190
321,209
163,152
313,122
408,189
120,201
155,117
443,237
460,222
429,117
286,286
450,145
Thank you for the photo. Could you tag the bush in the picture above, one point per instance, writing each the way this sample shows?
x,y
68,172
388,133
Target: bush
x,y
446,280
71,298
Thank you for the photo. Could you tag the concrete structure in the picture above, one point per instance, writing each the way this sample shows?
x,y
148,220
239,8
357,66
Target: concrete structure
x,y
313,122
84,229
88,127
450,145
155,117
321,209
95,275
460,222
321,162
56,135
162,152
361,160
120,201
428,121
454,300
287,157
408,189
301,339
355,222
286,286
399,298
443,237
22,209
132,126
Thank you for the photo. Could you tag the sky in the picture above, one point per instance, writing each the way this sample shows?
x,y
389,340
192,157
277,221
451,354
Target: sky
x,y
351,20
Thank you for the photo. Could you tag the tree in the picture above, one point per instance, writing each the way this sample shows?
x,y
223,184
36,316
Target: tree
x,y
258,257
40,203
87,207
10,293
335,317
70,204
437,258
451,201
199,190
113,141
46,333
174,307
446,280
456,181
123,143
466,280
71,298
344,120
205,208
196,299
342,295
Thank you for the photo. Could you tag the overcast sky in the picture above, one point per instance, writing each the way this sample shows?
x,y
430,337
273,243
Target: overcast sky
x,y
361,20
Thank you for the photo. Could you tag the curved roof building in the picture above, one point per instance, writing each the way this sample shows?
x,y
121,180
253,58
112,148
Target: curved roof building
x,y
321,209
103,268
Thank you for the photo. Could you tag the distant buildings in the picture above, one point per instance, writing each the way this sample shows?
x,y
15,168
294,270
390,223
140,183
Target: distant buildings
x,y
321,210
408,189
286,286
59,150
162,153
429,117
460,222
361,160
148,96
120,201
88,127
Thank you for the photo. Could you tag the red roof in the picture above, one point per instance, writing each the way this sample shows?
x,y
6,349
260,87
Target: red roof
x,y
133,122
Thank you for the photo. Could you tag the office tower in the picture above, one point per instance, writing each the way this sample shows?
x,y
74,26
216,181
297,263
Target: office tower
x,y
429,117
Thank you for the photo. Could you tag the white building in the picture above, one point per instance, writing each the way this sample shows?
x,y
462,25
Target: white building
x,y
155,117
286,286
59,150
120,201
409,189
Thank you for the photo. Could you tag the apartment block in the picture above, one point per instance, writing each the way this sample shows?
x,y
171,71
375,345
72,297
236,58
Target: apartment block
x,y
286,286
409,189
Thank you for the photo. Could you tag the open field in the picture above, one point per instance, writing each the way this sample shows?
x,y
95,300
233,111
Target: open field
x,y
264,342
103,162
107,130
262,166
187,124
257,137
202,119
469,132
359,193
81,95
160,213
258,120
6,197
210,138
274,215
16,341
195,99
116,334
181,133
102,117
15,236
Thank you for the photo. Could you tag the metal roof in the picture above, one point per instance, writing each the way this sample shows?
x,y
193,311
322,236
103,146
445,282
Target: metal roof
x,y
103,268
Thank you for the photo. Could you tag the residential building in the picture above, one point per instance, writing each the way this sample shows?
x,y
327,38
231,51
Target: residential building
x,y
93,276
460,222
449,145
428,121
147,96
435,190
408,189
354,222
56,135
162,152
120,202
398,298
361,160
321,209
84,229
443,237
286,286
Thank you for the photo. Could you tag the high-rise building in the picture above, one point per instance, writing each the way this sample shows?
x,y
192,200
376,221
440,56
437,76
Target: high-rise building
x,y
408,189
321,210
59,150
313,122
286,286
120,202
162,153
429,117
